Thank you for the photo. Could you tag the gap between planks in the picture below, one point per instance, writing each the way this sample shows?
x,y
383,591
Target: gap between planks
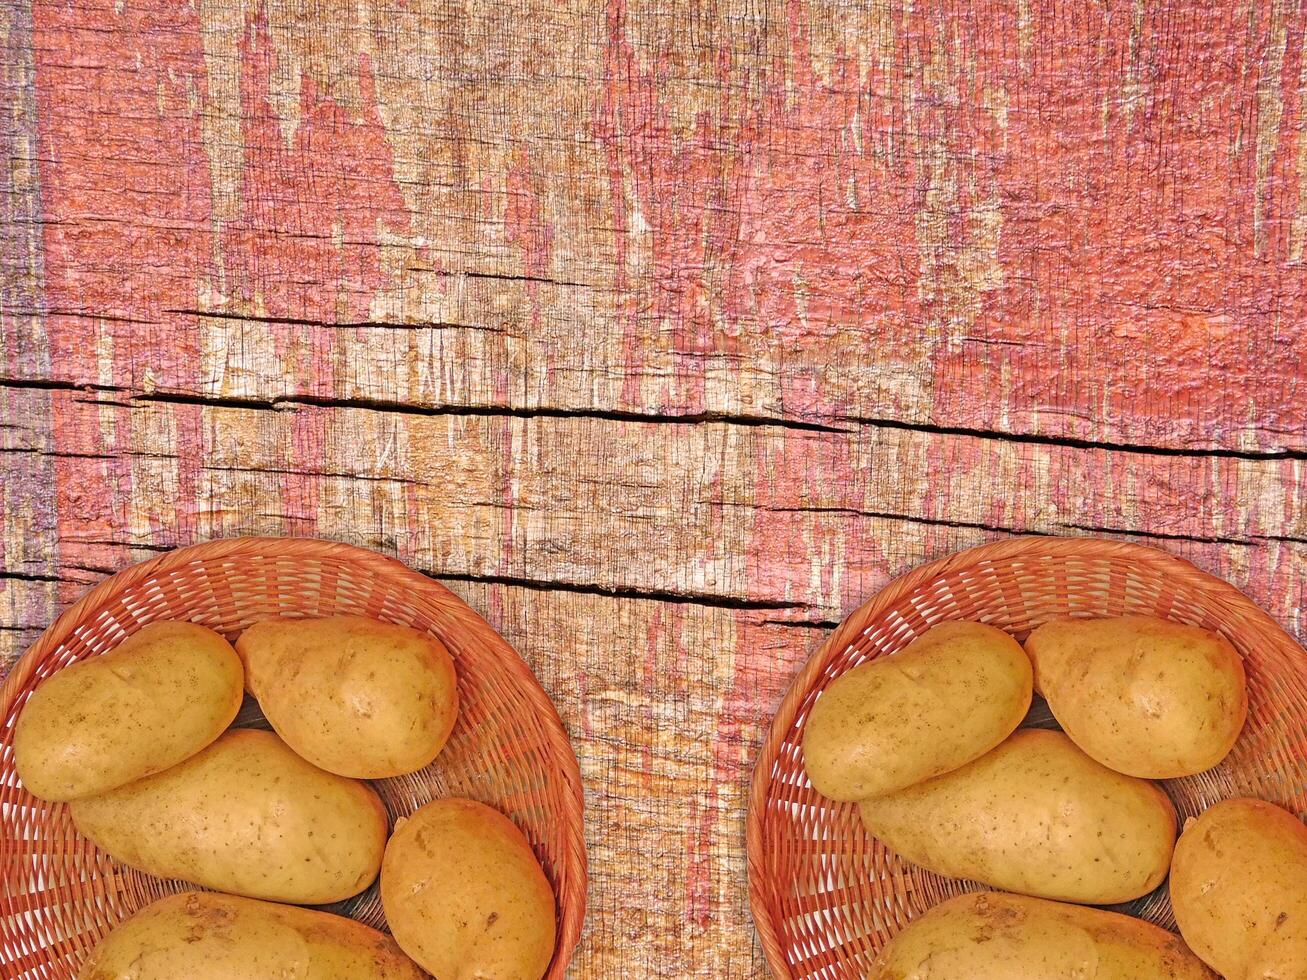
x,y
704,600
292,403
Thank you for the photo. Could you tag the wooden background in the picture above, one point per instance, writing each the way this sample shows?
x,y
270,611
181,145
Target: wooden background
x,y
665,333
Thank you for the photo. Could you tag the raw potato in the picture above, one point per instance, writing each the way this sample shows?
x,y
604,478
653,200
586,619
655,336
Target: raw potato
x,y
1239,889
991,936
1035,816
156,699
204,936
1143,696
354,696
246,816
465,896
945,699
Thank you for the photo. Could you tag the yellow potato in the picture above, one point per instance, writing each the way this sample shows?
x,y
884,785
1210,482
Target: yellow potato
x,y
991,936
354,696
157,698
205,936
1239,889
945,699
465,896
1143,696
1035,816
246,816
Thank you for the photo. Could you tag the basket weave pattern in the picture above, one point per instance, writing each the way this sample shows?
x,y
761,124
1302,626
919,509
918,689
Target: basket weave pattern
x,y
59,895
826,896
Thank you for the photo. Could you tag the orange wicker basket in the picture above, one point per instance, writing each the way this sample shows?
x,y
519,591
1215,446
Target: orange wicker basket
x,y
826,896
59,895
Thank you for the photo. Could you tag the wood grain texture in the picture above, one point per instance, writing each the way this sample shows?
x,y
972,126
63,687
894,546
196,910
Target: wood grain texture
x,y
664,333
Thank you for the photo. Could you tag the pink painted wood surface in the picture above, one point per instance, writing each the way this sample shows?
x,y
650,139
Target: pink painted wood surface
x,y
665,333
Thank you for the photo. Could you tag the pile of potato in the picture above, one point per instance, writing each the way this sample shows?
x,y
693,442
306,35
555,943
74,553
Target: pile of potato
x,y
137,742
927,742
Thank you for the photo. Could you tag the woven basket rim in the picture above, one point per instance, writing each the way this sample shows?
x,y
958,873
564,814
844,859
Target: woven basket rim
x,y
572,875
1230,601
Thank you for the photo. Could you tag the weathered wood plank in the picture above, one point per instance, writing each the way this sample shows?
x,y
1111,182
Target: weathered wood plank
x,y
730,209
28,535
807,522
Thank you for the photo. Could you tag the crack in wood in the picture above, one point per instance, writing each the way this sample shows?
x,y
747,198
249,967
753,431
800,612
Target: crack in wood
x,y
369,477
912,519
338,325
53,453
83,314
292,402
142,545
1251,541
1072,442
52,384
91,569
17,575
704,599
509,277
805,624
104,402
617,592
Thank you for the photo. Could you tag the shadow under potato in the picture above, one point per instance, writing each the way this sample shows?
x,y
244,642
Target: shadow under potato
x,y
1039,715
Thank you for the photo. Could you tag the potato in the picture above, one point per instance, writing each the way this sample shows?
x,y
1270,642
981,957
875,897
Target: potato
x,y
204,936
991,936
1035,816
464,895
1143,696
1239,889
246,816
945,699
354,696
157,698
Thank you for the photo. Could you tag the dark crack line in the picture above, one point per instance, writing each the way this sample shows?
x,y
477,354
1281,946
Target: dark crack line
x,y
1251,541
44,384
143,545
104,402
53,453
83,314
614,592
337,325
367,477
805,624
19,576
1072,442
535,585
891,516
91,569
505,277
290,402
381,405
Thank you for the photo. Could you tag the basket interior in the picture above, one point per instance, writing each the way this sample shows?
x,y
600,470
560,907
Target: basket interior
x,y
61,895
831,895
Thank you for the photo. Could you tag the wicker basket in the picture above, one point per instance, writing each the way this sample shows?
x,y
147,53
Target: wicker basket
x,y
826,896
59,895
